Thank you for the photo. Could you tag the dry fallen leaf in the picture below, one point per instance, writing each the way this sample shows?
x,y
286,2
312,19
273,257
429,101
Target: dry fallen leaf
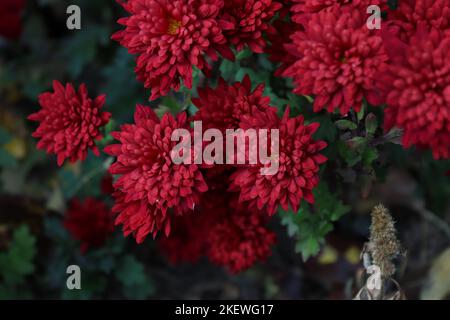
x,y
438,283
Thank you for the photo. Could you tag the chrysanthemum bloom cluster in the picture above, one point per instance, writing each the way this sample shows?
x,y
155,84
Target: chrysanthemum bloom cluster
x,y
225,106
150,183
187,241
418,90
240,239
89,221
152,191
298,166
171,37
227,235
250,19
285,8
237,107
222,211
338,58
410,14
277,50
10,18
333,56
189,237
416,84
302,10
69,122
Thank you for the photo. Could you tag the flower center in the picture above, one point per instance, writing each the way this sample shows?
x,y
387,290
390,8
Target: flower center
x,y
173,27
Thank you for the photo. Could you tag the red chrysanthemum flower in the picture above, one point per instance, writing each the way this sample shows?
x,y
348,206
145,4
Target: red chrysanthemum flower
x,y
337,60
418,90
224,107
278,41
302,10
239,240
171,37
285,8
251,18
138,217
298,166
220,229
410,14
70,122
150,183
187,241
10,18
106,184
89,221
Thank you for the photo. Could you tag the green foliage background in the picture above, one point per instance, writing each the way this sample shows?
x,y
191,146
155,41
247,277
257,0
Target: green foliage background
x,y
34,247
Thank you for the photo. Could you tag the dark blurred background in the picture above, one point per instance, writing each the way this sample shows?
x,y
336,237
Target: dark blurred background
x,y
35,249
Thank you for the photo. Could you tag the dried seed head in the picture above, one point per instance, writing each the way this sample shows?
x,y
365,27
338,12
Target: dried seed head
x,y
384,245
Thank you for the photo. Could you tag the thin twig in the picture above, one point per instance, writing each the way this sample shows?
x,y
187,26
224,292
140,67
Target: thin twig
x,y
431,217
90,175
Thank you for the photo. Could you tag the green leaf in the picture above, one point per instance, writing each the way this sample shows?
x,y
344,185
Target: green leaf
x,y
110,127
371,124
244,54
350,156
309,98
394,136
369,156
288,221
361,113
228,69
346,125
130,272
264,61
328,203
308,248
327,129
356,143
308,227
17,262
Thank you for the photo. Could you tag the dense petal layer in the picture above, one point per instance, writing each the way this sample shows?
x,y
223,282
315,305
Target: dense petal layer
x,y
69,122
